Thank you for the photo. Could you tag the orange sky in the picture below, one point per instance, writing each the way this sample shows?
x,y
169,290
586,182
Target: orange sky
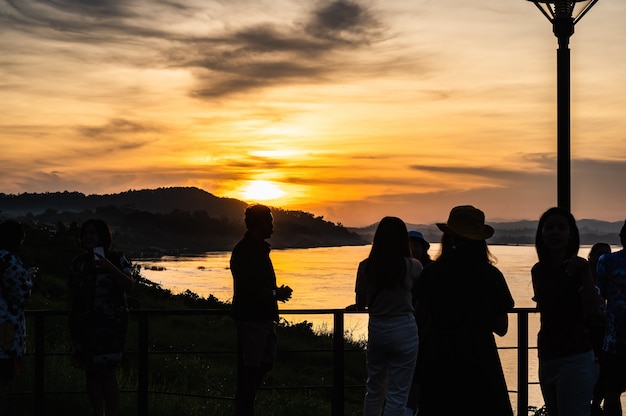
x,y
348,109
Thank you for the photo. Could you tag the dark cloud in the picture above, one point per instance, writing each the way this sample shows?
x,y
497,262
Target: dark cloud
x,y
65,15
255,163
272,54
92,22
103,180
520,194
119,134
343,22
47,182
593,179
491,173
53,11
226,60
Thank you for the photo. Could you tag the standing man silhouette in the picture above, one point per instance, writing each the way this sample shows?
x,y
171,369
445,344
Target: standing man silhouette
x,y
255,307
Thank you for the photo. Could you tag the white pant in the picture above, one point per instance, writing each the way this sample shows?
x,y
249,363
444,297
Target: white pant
x,y
391,354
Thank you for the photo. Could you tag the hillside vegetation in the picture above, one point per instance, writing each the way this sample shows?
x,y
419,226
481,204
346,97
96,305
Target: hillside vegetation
x,y
182,220
172,220
191,367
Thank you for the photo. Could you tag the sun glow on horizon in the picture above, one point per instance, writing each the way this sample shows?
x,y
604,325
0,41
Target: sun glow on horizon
x,y
260,190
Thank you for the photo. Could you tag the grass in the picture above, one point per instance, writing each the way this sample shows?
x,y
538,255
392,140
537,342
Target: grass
x,y
192,362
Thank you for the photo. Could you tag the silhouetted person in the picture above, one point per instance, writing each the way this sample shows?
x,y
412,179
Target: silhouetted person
x,y
611,279
98,314
596,330
419,247
385,285
419,251
254,306
566,298
463,299
15,285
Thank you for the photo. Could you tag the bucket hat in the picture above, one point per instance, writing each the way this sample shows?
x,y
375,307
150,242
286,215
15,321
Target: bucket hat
x,y
419,236
468,222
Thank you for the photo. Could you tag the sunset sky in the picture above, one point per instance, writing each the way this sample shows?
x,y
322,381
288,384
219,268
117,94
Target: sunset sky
x,y
348,109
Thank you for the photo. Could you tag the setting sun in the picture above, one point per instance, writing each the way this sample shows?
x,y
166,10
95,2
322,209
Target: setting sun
x,y
262,191
349,110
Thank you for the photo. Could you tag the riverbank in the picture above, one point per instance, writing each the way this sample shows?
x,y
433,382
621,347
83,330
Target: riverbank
x,y
191,364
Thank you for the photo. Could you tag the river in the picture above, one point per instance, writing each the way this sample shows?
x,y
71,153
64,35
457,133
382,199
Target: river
x,y
324,278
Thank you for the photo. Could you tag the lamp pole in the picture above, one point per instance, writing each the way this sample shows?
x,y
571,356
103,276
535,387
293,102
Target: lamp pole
x,y
563,14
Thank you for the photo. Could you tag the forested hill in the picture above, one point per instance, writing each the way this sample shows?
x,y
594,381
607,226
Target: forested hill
x,y
171,220
520,232
161,200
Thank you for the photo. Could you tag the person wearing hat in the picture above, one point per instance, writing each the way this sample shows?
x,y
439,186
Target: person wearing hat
x,y
419,247
462,300
611,280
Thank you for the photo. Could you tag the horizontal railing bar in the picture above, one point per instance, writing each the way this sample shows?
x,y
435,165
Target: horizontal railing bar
x,y
57,312
144,352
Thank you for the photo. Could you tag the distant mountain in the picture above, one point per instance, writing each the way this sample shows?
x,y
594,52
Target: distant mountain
x,y
172,220
518,232
191,219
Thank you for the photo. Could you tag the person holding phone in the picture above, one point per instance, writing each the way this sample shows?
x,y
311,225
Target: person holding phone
x,y
98,314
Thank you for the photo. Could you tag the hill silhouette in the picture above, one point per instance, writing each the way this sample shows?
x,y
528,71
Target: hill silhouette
x,y
190,220
160,200
518,232
153,222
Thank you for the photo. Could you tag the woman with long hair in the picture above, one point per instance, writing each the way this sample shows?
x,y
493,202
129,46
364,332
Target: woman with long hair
x,y
462,300
385,287
566,298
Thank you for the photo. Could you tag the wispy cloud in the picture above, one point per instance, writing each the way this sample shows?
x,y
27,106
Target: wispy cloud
x,y
225,60
118,133
270,54
374,105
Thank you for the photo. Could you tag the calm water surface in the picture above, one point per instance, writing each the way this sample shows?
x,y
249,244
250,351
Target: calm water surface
x,y
324,278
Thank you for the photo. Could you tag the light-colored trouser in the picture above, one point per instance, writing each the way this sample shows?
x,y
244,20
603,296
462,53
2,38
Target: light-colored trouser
x,y
391,354
567,384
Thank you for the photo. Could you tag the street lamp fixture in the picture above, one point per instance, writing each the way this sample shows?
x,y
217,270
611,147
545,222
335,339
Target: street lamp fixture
x,y
563,14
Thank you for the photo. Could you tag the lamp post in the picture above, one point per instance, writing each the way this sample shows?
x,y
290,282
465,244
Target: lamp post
x,y
563,14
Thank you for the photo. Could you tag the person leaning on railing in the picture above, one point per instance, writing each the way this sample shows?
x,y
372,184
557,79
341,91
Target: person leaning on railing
x,y
385,286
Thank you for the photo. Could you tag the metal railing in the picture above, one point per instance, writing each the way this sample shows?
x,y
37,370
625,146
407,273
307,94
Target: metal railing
x,y
37,320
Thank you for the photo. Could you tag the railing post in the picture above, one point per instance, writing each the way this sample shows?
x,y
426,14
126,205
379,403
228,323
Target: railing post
x,y
522,363
38,382
339,365
142,363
